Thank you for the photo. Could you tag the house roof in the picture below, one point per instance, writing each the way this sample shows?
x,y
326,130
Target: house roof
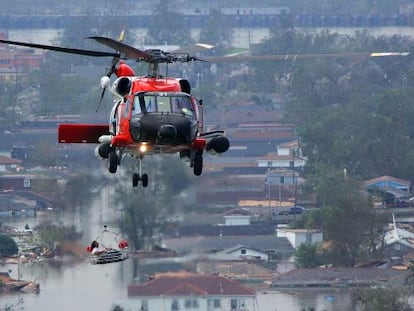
x,y
237,212
187,284
387,181
337,276
7,161
204,245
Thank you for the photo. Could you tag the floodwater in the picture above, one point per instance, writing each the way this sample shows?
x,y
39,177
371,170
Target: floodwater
x,y
87,287
83,286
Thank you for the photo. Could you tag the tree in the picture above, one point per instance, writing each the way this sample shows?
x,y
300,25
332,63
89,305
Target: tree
x,y
50,234
348,220
306,256
167,27
146,211
8,246
217,31
381,299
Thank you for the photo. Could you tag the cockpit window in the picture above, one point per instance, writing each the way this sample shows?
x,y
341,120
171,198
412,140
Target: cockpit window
x,y
182,104
150,104
164,104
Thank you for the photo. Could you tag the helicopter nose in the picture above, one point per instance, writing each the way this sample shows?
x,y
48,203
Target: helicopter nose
x,y
167,132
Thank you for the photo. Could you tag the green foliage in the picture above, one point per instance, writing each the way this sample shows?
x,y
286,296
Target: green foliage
x,y
167,27
381,299
78,190
353,113
306,256
348,220
50,234
221,37
409,280
147,211
8,246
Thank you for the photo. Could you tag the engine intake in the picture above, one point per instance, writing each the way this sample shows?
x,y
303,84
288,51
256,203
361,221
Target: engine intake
x,y
102,151
123,86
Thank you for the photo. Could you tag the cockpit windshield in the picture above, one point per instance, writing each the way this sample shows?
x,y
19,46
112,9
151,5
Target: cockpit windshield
x,y
163,103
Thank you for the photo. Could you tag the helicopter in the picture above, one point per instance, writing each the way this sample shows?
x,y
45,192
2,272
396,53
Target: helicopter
x,y
153,114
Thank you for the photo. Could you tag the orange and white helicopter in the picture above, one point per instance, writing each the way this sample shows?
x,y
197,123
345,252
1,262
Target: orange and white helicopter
x,y
153,114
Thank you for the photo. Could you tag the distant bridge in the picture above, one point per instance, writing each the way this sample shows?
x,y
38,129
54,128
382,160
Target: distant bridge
x,y
236,20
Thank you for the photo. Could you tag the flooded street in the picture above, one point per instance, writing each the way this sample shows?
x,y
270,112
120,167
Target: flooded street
x,y
76,287
100,287
83,286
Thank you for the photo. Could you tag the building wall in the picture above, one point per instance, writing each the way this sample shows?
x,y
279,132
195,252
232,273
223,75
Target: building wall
x,y
250,253
236,220
297,238
195,303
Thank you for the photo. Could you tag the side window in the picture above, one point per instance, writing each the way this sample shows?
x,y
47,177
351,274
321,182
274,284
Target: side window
x,y
136,108
174,305
233,304
126,110
144,305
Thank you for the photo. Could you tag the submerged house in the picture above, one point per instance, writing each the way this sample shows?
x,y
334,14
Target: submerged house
x,y
398,242
389,191
189,291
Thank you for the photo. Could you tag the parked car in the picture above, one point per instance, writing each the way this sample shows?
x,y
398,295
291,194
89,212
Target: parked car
x,y
283,212
296,210
291,211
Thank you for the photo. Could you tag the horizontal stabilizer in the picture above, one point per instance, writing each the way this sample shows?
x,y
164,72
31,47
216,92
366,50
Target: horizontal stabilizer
x,y
81,133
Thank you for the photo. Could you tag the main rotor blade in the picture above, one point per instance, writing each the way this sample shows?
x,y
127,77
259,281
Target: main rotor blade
x,y
125,49
61,49
298,56
100,100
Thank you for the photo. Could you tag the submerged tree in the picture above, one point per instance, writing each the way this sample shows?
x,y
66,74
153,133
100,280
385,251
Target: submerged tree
x,y
146,211
306,256
8,246
381,299
348,220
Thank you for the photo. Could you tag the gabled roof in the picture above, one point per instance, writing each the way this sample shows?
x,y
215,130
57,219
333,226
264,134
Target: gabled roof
x,y
204,245
187,284
385,180
240,247
7,161
237,212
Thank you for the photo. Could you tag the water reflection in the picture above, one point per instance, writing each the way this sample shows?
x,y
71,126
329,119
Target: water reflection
x,y
75,287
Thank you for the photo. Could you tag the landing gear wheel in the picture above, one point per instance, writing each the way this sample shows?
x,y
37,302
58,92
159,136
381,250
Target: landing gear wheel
x,y
198,163
135,180
144,179
112,162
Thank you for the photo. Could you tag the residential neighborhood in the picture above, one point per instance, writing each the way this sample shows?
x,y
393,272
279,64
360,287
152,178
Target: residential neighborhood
x,y
310,208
